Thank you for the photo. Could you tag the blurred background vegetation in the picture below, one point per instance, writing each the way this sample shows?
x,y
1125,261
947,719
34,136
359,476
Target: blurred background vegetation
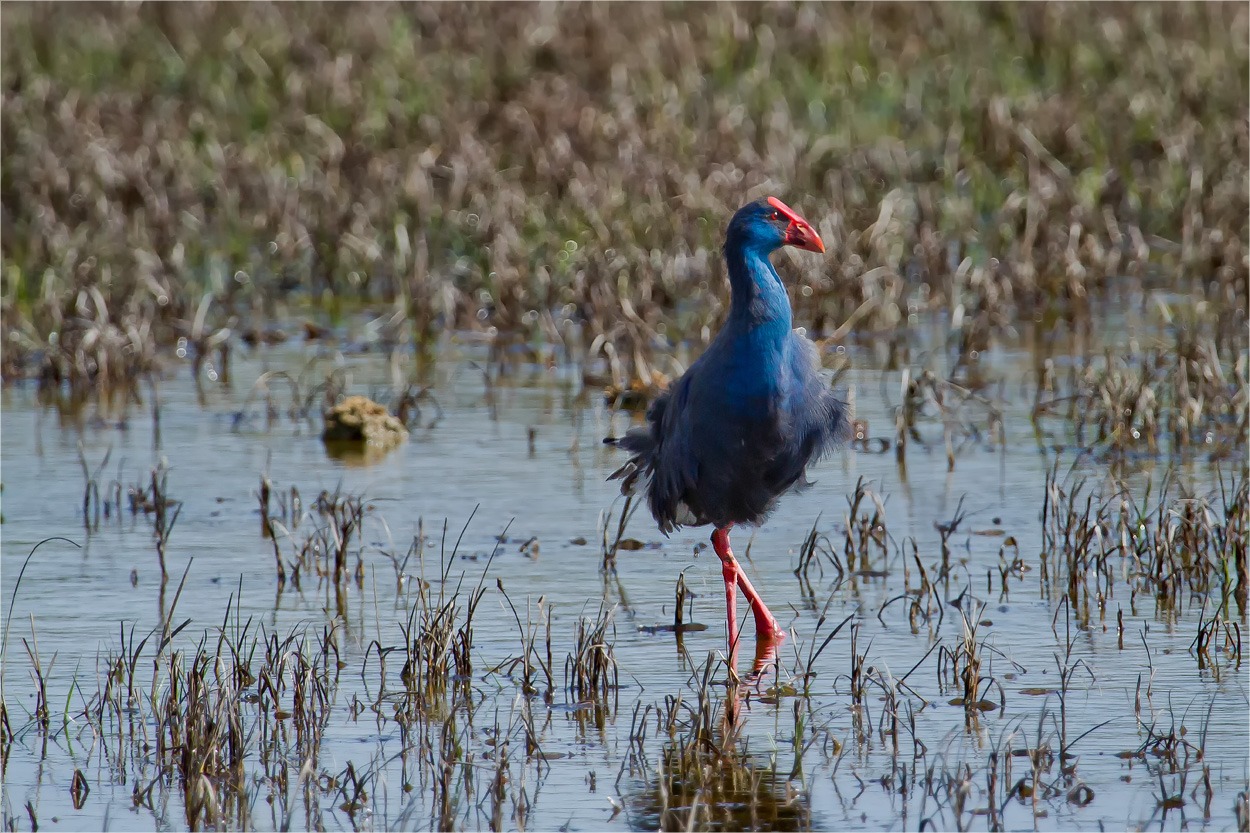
x,y
562,173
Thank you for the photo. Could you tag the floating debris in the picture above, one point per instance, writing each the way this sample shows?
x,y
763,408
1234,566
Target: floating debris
x,y
358,419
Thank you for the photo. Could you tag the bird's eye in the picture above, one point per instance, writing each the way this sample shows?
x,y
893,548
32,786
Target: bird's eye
x,y
776,216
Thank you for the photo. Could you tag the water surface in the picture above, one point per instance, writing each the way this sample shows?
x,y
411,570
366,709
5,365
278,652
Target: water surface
x,y
523,455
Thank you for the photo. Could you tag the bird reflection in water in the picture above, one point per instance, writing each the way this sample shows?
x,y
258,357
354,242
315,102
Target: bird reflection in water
x,y
766,646
705,778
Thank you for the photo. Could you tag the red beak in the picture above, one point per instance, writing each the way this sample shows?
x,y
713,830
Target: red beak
x,y
800,233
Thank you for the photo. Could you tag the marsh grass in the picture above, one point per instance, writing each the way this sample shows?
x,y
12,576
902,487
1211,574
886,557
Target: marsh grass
x,y
1189,549
563,193
211,719
240,710
181,182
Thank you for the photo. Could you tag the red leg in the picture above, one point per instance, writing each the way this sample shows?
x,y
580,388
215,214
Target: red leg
x,y
731,605
765,623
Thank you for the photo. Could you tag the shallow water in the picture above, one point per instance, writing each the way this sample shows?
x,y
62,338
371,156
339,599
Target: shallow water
x,y
476,466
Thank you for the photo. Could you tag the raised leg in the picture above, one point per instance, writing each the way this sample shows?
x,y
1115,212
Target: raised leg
x,y
765,623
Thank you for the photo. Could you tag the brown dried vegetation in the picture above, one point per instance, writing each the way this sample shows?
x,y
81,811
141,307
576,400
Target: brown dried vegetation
x,y
561,175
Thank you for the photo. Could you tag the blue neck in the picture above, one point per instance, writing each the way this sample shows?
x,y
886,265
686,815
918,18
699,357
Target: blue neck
x,y
759,298
757,332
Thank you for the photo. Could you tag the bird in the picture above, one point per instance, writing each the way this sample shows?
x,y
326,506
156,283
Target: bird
x,y
741,426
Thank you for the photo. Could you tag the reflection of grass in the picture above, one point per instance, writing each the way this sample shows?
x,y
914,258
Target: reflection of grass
x,y
447,157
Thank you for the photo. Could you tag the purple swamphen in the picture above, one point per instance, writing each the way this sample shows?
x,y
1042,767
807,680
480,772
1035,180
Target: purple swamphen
x,y
740,427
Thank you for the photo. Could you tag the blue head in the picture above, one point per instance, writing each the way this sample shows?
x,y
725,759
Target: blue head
x,y
757,230
755,346
768,224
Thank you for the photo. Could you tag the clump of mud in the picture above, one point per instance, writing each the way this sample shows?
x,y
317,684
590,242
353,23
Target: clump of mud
x,y
358,419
